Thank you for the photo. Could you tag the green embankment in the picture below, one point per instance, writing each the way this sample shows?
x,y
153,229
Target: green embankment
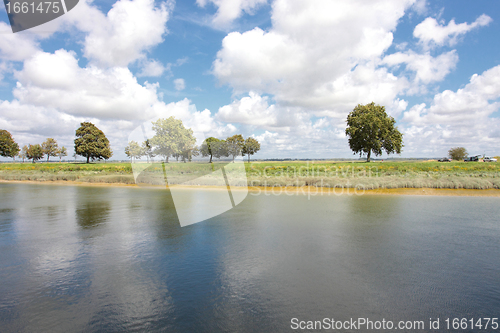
x,y
393,174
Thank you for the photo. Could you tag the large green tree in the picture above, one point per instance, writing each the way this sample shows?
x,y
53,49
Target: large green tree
x,y
235,145
457,153
370,129
34,152
8,147
251,147
92,143
206,148
171,137
50,148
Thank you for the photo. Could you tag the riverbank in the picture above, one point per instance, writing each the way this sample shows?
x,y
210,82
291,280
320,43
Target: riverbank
x,y
328,175
287,190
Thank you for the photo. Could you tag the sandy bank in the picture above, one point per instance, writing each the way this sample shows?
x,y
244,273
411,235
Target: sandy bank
x,y
288,190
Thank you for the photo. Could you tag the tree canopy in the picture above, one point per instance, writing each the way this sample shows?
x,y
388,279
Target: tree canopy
x,y
235,145
62,152
251,147
370,129
457,153
50,148
220,149
92,143
8,147
134,150
206,148
34,152
171,137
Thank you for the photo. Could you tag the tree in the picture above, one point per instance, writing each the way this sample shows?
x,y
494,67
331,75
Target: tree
x,y
147,149
187,155
220,149
171,137
134,150
50,148
8,147
34,152
235,145
24,153
370,129
62,152
457,153
206,147
92,143
251,147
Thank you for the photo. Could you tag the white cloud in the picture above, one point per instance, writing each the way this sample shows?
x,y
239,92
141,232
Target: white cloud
x,y
229,10
16,47
318,55
179,84
125,34
426,67
56,81
252,110
153,68
463,117
431,33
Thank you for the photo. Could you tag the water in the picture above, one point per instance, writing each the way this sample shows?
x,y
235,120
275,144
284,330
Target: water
x,y
102,259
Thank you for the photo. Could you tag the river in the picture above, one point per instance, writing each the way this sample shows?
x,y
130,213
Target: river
x,y
113,259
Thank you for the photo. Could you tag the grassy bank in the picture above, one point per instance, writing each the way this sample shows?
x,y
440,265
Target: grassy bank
x,y
374,175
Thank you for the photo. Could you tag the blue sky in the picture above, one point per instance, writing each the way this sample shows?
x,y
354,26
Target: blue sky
x,y
285,71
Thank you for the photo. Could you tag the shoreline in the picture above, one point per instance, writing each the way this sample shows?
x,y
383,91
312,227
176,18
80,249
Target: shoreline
x,y
288,190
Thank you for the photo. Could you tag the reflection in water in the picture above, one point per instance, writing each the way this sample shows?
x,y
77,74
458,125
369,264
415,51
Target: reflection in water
x,y
90,215
115,259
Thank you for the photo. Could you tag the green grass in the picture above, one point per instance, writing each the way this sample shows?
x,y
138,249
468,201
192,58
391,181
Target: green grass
x,y
393,174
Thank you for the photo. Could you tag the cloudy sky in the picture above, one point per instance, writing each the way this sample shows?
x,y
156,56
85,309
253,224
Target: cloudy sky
x,y
284,71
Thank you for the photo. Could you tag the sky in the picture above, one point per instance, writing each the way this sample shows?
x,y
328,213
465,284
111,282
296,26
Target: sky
x,y
286,72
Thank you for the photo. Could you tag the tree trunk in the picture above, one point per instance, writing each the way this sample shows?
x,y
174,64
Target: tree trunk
x,y
248,158
88,158
48,157
210,159
368,156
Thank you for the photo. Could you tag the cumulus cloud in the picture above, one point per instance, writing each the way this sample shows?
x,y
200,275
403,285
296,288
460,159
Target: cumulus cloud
x,y
432,33
55,80
153,68
427,68
319,55
16,47
125,34
463,117
179,84
229,10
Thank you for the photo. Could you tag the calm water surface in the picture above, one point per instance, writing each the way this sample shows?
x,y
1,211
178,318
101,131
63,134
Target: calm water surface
x,y
92,259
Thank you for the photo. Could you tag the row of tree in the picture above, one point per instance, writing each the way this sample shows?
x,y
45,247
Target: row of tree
x,y
172,139
10,148
90,143
37,151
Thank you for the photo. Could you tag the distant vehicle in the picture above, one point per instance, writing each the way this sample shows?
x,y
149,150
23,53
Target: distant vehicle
x,y
489,159
472,158
444,159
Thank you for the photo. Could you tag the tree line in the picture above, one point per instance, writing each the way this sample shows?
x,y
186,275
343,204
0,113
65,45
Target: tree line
x,y
90,143
173,139
10,148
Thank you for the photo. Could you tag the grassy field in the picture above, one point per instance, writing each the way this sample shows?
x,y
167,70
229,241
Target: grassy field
x,y
374,175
